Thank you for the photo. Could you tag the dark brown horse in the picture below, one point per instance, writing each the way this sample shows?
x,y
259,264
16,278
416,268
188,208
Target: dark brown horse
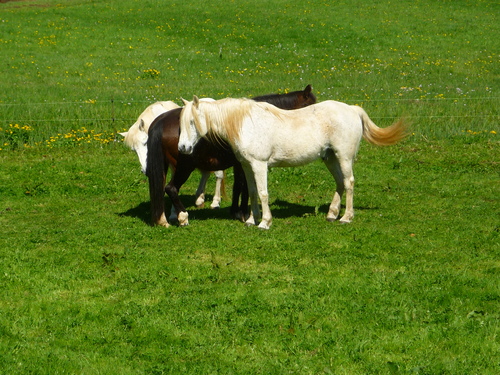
x,y
163,138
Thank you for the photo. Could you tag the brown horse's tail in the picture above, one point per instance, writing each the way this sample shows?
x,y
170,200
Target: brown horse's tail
x,y
156,171
382,136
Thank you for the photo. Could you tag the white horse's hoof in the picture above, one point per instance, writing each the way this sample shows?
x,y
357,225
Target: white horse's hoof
x,y
215,206
263,226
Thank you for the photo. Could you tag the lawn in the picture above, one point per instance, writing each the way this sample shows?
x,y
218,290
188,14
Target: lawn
x,y
87,286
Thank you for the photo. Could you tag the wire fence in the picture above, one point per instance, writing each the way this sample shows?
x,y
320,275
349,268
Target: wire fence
x,y
119,114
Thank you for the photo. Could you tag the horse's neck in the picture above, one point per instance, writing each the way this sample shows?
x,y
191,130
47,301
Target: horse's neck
x,y
225,119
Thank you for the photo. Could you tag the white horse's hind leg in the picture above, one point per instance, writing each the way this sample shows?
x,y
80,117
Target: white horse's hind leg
x,y
349,199
200,192
346,167
344,178
333,166
342,171
219,175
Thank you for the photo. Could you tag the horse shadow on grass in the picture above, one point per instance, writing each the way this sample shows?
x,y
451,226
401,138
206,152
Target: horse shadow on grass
x,y
280,209
283,209
143,210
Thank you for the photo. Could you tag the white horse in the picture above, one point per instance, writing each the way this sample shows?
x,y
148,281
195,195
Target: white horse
x,y
137,136
264,136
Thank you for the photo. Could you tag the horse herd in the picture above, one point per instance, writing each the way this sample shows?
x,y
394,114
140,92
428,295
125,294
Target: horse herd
x,y
250,135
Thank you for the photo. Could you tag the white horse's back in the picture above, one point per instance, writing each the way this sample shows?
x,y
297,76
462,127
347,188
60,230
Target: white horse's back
x,y
298,137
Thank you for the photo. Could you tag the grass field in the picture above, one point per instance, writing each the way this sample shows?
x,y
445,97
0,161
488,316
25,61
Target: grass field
x,y
411,286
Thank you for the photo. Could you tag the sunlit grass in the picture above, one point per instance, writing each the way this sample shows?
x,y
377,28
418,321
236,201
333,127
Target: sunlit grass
x,y
87,286
20,136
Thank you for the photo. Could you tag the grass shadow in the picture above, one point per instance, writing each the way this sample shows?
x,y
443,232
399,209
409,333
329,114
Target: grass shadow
x,y
141,212
283,209
279,208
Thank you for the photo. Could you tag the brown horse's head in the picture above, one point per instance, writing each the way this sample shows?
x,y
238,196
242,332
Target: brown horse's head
x,y
291,100
306,97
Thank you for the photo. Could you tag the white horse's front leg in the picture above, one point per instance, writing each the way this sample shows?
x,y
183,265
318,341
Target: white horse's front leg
x,y
252,193
219,175
200,192
260,174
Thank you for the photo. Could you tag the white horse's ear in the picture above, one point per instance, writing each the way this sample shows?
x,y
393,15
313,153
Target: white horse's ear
x,y
184,101
141,125
196,101
124,134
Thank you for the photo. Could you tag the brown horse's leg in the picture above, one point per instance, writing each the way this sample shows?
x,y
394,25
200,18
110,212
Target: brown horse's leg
x,y
240,188
179,177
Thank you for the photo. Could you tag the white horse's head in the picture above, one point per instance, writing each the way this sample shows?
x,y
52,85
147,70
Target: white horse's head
x,y
193,125
137,136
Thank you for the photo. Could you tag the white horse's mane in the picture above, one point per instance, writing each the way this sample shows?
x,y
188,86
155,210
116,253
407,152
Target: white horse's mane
x,y
225,116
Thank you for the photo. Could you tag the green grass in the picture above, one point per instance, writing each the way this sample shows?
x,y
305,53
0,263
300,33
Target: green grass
x,y
409,287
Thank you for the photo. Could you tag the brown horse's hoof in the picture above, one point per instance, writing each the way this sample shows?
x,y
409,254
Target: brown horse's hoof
x,y
183,219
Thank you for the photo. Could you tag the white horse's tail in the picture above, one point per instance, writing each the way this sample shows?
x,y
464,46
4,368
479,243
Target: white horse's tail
x,y
381,136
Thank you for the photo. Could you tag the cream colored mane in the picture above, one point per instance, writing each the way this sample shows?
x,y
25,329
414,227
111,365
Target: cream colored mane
x,y
225,117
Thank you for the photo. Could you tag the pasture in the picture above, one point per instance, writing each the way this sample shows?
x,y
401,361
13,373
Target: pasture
x,y
411,286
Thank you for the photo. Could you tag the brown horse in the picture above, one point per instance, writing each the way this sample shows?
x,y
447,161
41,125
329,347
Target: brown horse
x,y
163,153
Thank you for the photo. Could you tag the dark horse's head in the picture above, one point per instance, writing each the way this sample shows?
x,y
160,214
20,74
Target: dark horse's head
x,y
291,100
305,97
